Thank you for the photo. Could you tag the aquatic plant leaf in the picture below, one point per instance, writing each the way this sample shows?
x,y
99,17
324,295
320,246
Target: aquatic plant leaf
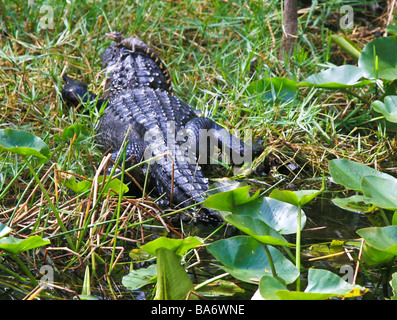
x,y
83,186
15,245
350,173
4,230
257,229
23,143
178,246
323,284
138,254
378,59
388,109
227,201
392,29
268,287
381,238
356,203
225,185
136,279
220,288
173,282
336,78
374,257
297,198
393,285
382,192
76,132
279,215
274,88
246,259
86,289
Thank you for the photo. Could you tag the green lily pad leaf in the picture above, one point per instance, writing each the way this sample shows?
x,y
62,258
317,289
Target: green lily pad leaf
x,y
323,284
178,246
87,297
392,29
85,185
268,287
23,143
274,88
393,284
279,215
357,203
381,238
4,230
173,282
220,288
76,132
388,109
350,173
136,279
246,259
226,185
139,254
378,59
257,229
381,191
374,257
336,78
297,198
227,201
14,245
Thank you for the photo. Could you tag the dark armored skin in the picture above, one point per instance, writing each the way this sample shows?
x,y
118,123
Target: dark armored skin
x,y
142,109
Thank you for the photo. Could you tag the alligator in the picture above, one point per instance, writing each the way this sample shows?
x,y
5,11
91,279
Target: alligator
x,y
159,127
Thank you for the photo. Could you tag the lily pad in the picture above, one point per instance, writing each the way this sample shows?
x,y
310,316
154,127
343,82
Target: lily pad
x,y
136,279
4,230
274,88
297,198
374,257
85,185
336,78
381,238
76,132
279,215
15,245
393,284
392,29
23,143
228,200
173,283
322,284
357,203
257,229
381,191
378,59
220,288
246,259
350,173
388,109
178,246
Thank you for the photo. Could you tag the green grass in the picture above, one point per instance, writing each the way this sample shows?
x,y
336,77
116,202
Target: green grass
x,y
208,47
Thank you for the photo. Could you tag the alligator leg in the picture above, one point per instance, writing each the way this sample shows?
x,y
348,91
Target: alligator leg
x,y
205,136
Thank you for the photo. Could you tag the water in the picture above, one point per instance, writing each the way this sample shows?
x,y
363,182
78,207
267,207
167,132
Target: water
x,y
325,223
